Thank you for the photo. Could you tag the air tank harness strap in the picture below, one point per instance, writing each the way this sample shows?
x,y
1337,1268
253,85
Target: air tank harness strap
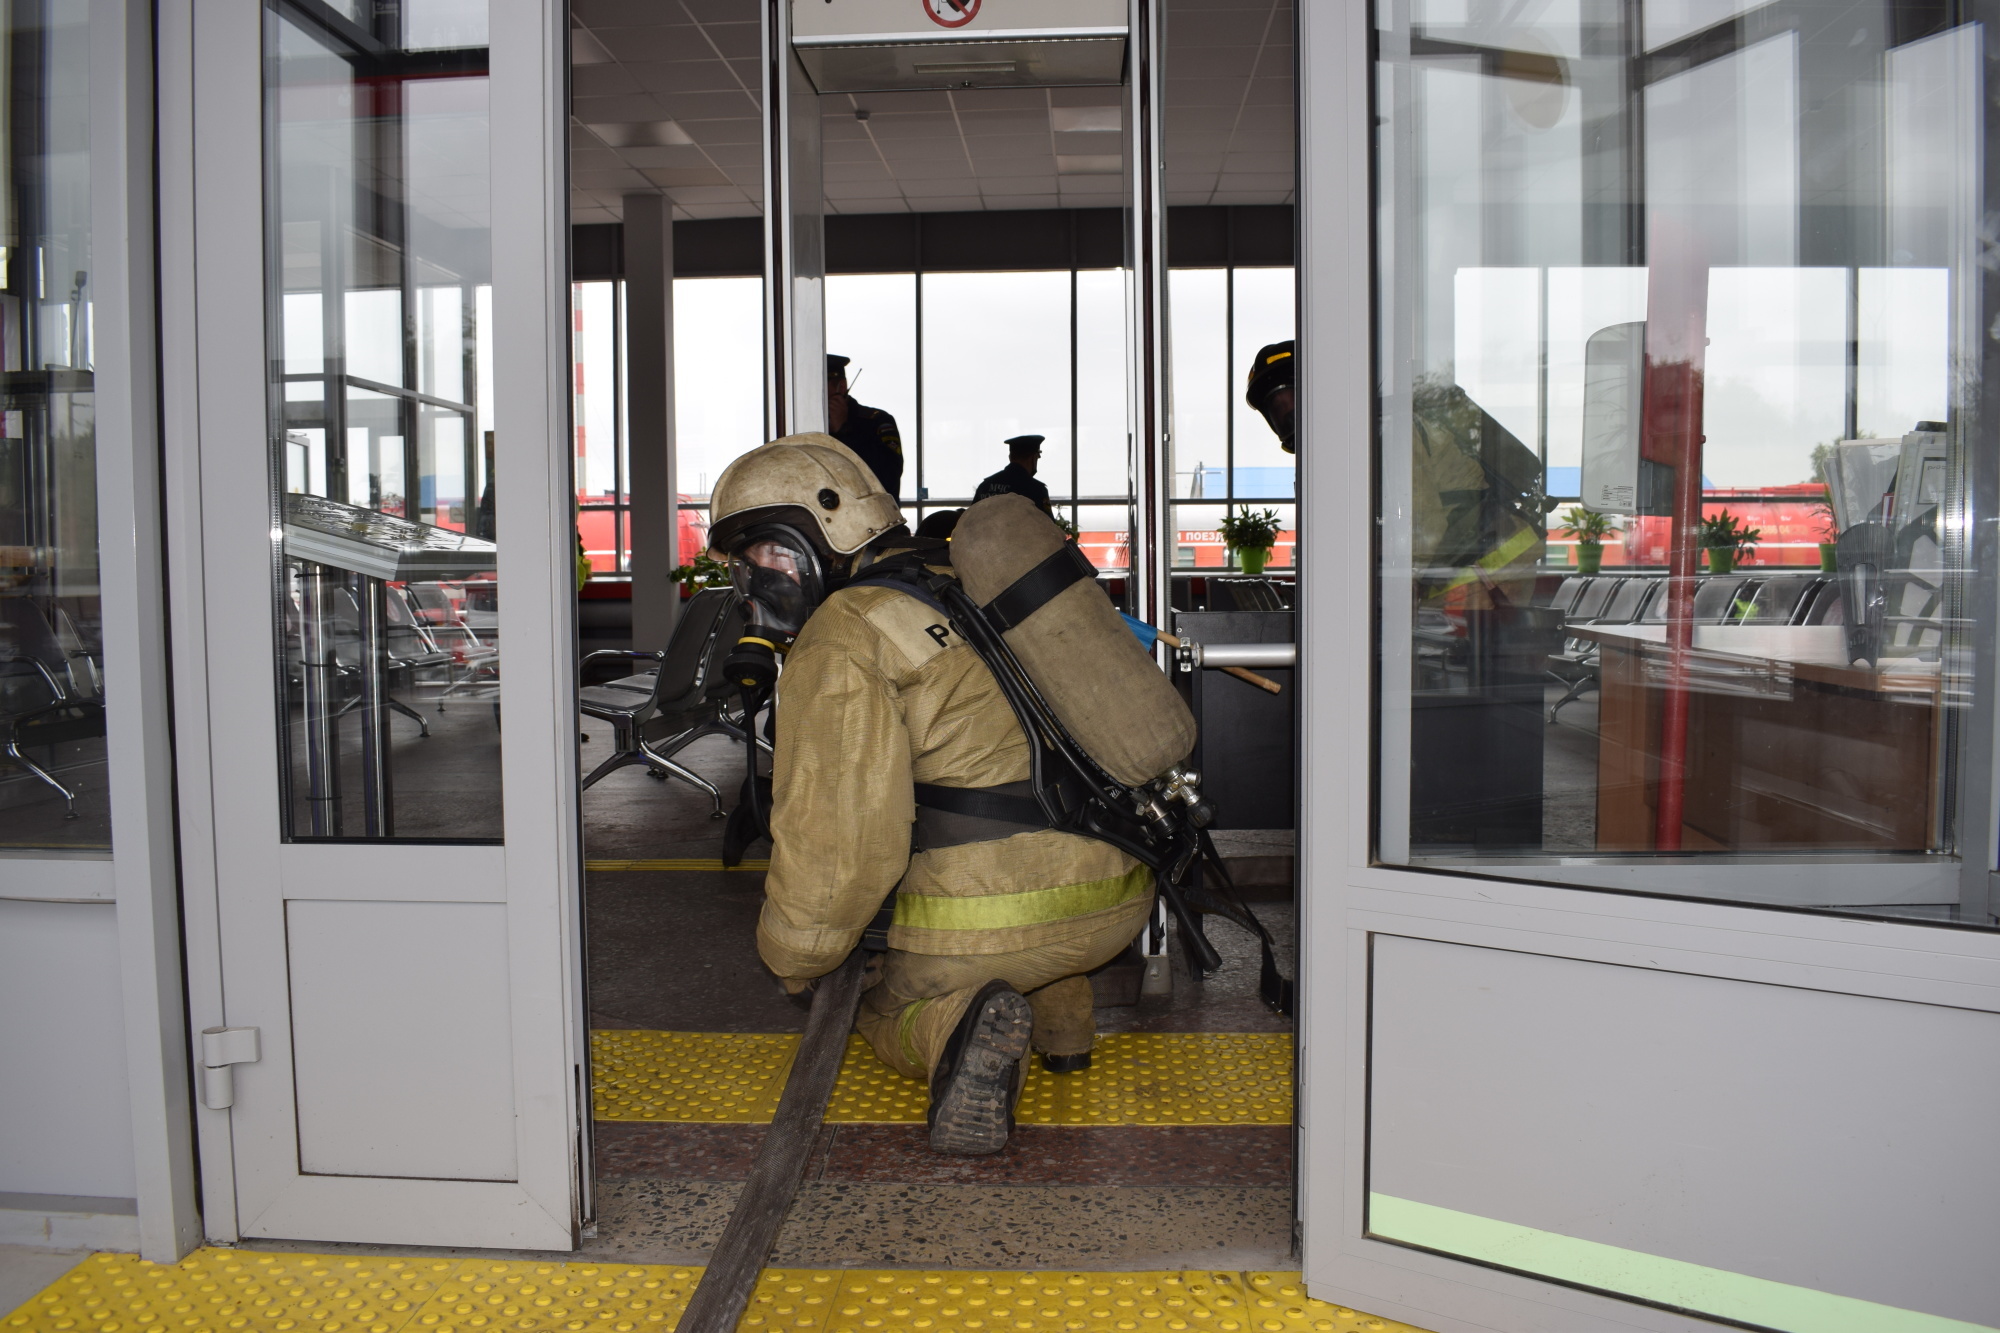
x,y
954,816
1039,586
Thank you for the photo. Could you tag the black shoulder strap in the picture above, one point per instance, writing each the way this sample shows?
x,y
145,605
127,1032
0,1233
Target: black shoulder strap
x,y
1036,588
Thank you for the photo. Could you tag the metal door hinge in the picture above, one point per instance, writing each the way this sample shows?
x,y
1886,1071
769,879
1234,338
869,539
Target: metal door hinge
x,y
222,1049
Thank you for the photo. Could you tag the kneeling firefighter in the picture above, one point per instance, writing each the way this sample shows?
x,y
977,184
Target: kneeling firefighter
x,y
902,768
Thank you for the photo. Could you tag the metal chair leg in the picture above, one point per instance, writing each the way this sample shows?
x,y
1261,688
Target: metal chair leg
x,y
1571,695
423,723
69,797
688,776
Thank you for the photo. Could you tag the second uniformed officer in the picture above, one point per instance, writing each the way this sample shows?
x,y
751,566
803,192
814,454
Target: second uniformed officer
x,y
1024,456
868,431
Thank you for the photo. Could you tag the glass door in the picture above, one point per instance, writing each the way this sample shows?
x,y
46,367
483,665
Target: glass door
x,y
378,239
1649,916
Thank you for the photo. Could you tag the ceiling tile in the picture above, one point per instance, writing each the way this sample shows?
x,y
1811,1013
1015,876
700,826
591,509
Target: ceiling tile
x,y
617,110
709,106
1212,62
939,189
1018,201
655,41
1261,163
904,103
585,49
848,172
737,41
1010,185
1246,180
948,204
1265,119
619,13
1270,92
1197,141
583,217
683,76
735,130
645,157
981,124
842,127
856,191
999,99
1086,119
1198,29
1204,92
718,11
702,211
735,154
620,179
924,150
705,194
846,150
988,146
1012,168
1089,164
906,171
678,178
913,127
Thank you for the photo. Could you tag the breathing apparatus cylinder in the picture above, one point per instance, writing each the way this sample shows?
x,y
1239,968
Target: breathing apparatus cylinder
x,y
1111,697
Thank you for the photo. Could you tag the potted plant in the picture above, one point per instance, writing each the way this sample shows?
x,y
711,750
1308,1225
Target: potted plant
x,y
1829,531
705,572
1727,541
1590,528
1251,534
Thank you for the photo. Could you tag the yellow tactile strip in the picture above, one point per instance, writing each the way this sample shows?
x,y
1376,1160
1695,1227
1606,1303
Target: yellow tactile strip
x,y
1137,1078
226,1290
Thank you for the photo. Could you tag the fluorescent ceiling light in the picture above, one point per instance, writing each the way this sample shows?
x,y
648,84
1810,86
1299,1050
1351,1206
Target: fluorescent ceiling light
x,y
970,67
642,134
1089,164
1086,119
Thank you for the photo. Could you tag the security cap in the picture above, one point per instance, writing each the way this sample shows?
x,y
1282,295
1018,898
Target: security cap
x,y
1271,370
1025,444
836,365
821,484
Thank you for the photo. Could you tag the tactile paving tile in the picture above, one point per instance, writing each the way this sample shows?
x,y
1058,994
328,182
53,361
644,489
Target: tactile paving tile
x,y
216,1291
689,1076
1136,1078
275,1293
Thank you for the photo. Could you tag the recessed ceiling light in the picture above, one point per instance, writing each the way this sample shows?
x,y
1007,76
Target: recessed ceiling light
x,y
642,134
1086,119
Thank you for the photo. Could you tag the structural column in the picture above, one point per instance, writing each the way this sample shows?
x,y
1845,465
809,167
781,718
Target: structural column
x,y
649,396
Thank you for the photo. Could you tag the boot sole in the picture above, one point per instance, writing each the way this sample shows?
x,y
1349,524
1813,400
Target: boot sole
x,y
976,1111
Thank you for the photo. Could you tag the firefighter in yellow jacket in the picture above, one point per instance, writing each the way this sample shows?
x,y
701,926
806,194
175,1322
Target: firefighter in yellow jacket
x,y
995,923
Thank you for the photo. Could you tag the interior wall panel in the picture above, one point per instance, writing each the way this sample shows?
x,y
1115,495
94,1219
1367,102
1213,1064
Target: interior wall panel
x,y
1659,1112
65,1113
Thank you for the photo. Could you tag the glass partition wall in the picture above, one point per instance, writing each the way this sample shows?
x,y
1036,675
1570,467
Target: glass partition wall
x,y
1679,452
52,736
382,420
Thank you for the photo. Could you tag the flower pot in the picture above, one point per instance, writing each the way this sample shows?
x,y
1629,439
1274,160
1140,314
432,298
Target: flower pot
x,y
1827,563
1589,557
1254,559
1721,559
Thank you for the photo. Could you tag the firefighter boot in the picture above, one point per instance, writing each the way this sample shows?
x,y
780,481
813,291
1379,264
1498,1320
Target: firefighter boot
x,y
978,1079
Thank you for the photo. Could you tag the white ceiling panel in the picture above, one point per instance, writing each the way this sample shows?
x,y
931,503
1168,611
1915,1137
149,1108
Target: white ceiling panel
x,y
693,64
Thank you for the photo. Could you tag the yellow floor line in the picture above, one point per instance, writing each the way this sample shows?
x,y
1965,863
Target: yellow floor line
x,y
1136,1078
215,1289
693,863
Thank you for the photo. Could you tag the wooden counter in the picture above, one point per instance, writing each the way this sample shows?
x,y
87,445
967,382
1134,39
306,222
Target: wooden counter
x,y
1783,752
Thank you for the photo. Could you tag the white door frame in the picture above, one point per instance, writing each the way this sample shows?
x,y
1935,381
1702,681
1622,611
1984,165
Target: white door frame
x,y
238,874
1346,899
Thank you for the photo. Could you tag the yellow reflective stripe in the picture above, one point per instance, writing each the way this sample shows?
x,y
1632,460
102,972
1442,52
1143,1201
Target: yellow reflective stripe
x,y
998,911
1503,554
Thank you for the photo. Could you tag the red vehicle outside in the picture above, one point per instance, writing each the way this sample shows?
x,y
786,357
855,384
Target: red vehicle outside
x,y
1791,528
597,526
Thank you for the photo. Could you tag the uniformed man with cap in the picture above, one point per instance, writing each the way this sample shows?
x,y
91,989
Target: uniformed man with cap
x,y
1024,456
995,925
869,431
1270,389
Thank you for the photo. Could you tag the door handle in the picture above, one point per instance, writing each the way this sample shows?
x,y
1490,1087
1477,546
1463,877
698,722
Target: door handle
x,y
222,1049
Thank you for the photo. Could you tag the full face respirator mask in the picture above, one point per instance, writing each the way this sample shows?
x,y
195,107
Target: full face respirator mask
x,y
781,577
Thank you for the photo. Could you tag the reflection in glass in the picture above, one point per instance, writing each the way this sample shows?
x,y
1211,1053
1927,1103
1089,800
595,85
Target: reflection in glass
x,y
52,752
1718,297
380,273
